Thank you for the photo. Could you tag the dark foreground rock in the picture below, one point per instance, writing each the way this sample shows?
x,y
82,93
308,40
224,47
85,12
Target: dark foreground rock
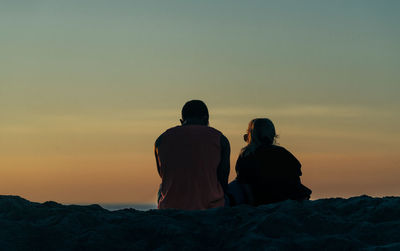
x,y
328,224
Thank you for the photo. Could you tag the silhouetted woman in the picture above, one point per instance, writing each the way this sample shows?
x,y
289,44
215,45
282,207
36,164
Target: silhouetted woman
x,y
266,173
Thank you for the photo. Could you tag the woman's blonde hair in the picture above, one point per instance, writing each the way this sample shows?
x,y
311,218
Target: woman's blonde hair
x,y
261,131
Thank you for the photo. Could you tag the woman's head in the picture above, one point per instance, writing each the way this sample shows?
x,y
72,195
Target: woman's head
x,y
261,131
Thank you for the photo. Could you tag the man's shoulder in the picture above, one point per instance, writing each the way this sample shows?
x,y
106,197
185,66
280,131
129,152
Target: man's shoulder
x,y
178,130
166,132
222,138
169,130
203,128
215,130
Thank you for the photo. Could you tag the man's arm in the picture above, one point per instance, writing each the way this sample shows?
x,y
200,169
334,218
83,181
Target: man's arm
x,y
224,166
156,146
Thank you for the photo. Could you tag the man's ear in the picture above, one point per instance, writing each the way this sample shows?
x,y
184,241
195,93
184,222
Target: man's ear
x,y
246,137
182,121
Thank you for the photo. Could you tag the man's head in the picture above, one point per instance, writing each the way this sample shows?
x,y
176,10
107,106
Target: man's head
x,y
195,112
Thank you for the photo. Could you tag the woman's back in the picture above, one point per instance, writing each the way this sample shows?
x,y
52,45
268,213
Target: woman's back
x,y
273,174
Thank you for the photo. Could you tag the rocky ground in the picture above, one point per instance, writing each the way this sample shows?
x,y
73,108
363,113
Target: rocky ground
x,y
326,224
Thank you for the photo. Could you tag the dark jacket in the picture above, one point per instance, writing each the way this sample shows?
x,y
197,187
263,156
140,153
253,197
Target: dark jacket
x,y
273,175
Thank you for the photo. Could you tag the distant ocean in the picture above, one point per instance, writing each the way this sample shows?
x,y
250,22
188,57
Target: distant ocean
x,y
141,207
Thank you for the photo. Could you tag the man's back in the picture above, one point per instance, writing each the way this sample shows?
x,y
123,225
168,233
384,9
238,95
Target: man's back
x,y
188,158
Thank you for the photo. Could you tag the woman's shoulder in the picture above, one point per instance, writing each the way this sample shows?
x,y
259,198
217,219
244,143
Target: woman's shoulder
x,y
263,151
275,151
272,148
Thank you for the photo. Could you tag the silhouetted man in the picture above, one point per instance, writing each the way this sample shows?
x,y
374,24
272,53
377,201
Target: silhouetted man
x,y
193,162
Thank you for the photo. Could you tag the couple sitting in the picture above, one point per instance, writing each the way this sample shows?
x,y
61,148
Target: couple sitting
x,y
193,163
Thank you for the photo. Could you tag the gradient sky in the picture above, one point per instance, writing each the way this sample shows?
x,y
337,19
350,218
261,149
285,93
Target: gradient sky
x,y
87,86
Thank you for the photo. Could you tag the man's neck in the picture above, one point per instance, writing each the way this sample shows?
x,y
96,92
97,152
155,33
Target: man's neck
x,y
194,121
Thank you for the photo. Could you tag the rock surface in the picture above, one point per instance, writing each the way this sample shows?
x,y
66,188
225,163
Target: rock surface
x,y
327,224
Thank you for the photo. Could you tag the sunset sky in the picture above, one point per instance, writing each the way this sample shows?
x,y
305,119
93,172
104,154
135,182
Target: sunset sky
x,y
87,86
